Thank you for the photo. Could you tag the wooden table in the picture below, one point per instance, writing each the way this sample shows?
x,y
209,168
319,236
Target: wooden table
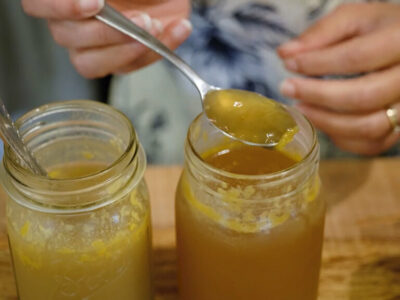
x,y
361,258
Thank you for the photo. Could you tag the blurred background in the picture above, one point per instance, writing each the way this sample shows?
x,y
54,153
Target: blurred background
x,y
233,45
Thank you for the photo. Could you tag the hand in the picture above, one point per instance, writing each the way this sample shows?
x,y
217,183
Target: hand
x,y
97,50
355,38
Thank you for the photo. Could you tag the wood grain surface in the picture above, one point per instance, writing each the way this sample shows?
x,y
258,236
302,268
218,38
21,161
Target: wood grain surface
x,y
361,258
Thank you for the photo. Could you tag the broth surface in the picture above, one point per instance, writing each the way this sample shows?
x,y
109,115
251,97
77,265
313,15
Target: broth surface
x,y
76,170
249,160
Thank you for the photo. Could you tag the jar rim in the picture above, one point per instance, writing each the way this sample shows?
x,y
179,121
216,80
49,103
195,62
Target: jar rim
x,y
285,173
37,192
71,103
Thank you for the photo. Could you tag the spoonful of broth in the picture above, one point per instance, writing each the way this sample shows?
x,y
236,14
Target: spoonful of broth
x,y
246,116
250,117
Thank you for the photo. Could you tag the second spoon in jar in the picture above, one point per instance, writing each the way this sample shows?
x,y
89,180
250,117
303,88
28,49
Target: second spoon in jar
x,y
245,116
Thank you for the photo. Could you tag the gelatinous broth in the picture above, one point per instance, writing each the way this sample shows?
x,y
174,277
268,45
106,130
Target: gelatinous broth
x,y
221,259
98,255
249,116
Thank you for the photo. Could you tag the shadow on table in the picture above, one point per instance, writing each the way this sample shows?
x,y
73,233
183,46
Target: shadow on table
x,y
378,280
340,179
165,274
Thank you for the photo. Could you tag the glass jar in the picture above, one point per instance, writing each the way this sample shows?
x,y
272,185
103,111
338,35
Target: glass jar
x,y
84,231
249,235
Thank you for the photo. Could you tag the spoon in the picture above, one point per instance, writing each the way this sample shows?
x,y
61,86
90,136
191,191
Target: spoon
x,y
242,115
10,136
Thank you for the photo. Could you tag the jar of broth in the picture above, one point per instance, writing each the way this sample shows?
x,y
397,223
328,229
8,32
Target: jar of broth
x,y
84,231
249,222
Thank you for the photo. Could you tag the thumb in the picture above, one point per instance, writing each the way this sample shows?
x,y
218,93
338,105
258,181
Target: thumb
x,y
62,9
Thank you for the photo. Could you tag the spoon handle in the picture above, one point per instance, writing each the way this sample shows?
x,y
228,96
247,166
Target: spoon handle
x,y
115,19
10,136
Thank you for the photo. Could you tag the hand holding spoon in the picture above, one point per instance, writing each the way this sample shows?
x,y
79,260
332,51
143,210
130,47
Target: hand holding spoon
x,y
246,116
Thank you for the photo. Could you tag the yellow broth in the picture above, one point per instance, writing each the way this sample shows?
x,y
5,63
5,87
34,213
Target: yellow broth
x,y
225,259
249,116
99,255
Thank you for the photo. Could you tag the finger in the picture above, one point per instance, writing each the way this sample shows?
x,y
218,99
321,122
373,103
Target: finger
x,y
362,94
92,33
62,9
99,62
365,53
371,126
368,147
341,24
173,36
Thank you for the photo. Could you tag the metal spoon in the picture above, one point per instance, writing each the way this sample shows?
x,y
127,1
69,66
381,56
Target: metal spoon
x,y
116,20
10,136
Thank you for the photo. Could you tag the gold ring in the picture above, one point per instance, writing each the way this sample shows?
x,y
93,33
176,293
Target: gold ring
x,y
393,116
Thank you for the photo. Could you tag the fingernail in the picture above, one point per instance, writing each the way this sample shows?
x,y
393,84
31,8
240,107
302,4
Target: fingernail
x,y
291,64
182,29
287,88
91,6
290,47
147,21
158,25
138,20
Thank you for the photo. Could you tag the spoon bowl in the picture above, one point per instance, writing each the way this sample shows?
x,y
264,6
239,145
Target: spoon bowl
x,y
250,117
